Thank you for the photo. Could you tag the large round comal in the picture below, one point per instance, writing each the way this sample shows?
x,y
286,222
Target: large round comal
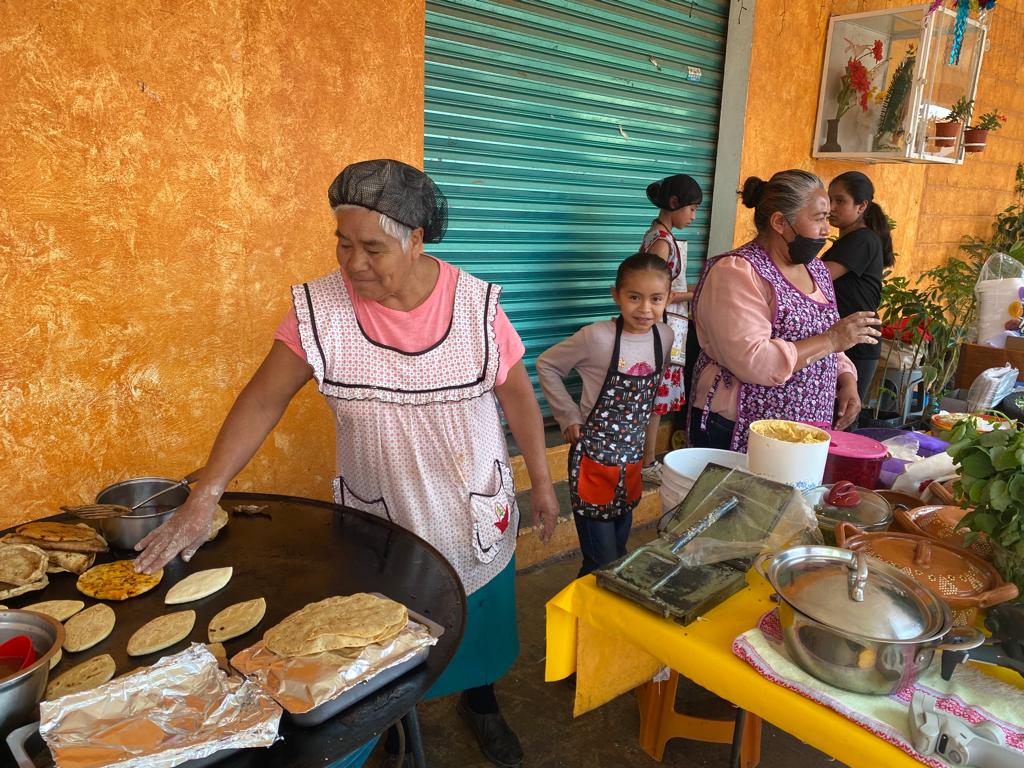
x,y
857,623
22,691
126,531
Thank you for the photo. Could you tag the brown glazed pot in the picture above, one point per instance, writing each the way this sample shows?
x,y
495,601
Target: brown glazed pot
x,y
942,523
964,581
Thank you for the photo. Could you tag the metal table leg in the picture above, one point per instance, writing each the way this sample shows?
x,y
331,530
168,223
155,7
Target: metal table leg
x,y
414,745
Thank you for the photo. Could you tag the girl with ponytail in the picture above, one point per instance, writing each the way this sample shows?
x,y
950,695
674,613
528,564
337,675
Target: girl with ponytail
x,y
858,260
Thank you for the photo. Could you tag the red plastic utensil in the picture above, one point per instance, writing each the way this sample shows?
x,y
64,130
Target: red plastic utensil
x,y
15,654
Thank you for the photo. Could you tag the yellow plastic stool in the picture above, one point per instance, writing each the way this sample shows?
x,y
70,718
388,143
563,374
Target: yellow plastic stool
x,y
660,721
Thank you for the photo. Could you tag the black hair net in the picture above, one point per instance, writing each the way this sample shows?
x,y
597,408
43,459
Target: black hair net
x,y
397,190
680,186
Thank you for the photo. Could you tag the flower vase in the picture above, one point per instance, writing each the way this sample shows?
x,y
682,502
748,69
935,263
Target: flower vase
x,y
831,136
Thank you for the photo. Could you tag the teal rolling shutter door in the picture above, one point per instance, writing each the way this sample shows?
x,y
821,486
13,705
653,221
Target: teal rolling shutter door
x,y
546,120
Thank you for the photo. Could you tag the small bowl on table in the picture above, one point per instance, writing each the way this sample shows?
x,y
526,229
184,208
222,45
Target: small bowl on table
x,y
126,531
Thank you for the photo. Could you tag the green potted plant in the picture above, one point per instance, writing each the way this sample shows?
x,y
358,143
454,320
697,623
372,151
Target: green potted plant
x,y
948,128
991,468
976,136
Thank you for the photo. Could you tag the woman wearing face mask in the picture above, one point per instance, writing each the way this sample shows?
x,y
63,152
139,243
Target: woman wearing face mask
x,y
770,334
858,259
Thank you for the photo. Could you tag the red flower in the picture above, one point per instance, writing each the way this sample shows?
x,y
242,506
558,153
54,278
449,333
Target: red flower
x,y
876,50
898,331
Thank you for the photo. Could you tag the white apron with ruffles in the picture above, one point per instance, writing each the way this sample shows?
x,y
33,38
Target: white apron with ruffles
x,y
419,439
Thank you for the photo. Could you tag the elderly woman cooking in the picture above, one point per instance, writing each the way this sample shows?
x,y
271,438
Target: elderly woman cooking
x,y
413,356
770,334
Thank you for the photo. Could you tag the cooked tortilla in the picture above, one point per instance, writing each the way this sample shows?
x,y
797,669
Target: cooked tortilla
x,y
69,562
67,537
220,519
85,629
236,620
116,581
88,674
55,659
338,622
21,564
61,610
162,632
198,585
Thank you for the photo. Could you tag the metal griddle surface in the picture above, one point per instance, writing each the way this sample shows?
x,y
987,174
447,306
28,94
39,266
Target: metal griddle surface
x,y
306,551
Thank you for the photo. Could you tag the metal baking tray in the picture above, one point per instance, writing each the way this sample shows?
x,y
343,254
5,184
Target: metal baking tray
x,y
30,751
363,689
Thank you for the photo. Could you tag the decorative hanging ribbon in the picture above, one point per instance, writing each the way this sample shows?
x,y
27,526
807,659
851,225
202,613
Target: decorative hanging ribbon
x,y
963,8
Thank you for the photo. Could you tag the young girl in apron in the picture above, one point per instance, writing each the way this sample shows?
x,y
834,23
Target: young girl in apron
x,y
621,362
678,198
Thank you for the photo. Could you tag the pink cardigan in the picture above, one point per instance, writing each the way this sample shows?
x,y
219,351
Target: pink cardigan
x,y
734,326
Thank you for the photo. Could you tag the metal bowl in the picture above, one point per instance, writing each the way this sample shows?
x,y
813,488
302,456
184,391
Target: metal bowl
x,y
127,531
22,691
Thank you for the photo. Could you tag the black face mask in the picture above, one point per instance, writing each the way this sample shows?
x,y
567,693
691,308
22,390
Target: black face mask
x,y
802,250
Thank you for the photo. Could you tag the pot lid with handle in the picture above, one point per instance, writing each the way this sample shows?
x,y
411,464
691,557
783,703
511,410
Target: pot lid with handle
x,y
959,577
844,501
822,583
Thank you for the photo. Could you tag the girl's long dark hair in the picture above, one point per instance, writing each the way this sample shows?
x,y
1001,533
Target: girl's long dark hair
x,y
861,189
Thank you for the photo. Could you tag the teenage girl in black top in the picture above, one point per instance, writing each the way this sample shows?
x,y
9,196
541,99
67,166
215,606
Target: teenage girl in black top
x,y
858,259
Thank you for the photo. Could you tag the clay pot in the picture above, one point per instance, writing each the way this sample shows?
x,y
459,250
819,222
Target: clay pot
x,y
975,139
946,133
964,581
942,523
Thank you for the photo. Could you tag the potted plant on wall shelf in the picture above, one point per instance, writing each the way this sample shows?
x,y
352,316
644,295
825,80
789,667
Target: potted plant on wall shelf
x,y
948,128
976,136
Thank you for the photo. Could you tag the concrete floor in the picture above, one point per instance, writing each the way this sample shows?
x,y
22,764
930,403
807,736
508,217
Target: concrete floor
x,y
541,713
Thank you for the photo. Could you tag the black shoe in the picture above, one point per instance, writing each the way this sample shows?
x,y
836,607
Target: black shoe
x,y
497,741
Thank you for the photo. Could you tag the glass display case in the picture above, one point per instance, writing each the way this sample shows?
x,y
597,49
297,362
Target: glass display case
x,y
889,78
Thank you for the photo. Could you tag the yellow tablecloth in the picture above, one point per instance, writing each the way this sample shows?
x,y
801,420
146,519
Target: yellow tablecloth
x,y
614,645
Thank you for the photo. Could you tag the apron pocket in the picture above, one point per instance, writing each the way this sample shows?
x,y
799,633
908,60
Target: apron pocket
x,y
345,496
597,482
492,516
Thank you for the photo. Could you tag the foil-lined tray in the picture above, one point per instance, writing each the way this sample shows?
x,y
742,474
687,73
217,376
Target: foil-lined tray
x,y
314,688
181,710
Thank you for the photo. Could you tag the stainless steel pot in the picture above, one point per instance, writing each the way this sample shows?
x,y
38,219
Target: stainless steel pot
x,y
856,622
22,691
126,531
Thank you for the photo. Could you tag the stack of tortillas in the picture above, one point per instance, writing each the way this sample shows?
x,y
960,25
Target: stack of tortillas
x,y
69,546
338,623
22,569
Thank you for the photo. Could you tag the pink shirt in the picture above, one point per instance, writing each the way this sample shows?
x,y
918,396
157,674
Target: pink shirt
x,y
734,326
417,329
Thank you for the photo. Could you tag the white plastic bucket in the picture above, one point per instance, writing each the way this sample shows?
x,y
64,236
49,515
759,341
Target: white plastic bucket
x,y
994,300
683,467
798,464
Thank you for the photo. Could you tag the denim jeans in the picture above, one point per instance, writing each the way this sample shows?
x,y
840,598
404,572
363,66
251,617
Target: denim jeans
x,y
718,435
602,541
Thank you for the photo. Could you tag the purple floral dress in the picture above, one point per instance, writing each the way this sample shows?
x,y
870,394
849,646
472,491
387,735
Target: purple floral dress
x,y
810,393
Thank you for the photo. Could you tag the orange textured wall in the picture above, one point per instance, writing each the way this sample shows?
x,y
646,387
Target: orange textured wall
x,y
163,176
934,206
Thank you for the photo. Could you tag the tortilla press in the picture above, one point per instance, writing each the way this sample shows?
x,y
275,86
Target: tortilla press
x,y
724,504
1005,648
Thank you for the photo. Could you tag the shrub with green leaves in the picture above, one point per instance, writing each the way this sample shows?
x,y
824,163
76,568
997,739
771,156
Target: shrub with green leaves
x,y
991,468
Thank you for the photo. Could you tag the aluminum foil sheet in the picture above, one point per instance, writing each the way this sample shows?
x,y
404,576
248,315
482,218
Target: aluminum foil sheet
x,y
302,683
182,708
